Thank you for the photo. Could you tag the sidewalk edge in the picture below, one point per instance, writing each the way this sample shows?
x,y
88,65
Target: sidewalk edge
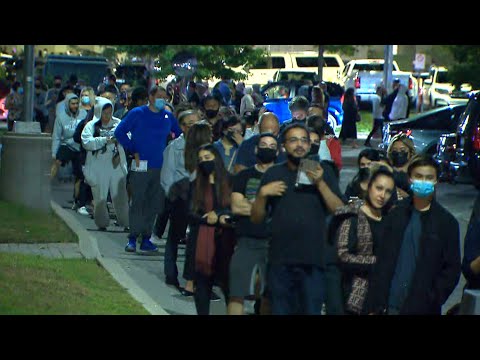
x,y
89,248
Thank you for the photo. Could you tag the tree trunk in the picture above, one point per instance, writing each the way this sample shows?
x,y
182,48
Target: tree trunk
x,y
321,49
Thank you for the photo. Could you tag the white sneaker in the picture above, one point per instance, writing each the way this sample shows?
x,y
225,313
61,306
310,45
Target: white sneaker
x,y
157,241
83,211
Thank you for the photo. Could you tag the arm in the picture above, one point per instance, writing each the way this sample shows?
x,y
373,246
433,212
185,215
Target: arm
x,y
240,205
349,262
447,278
168,169
332,201
89,142
259,210
238,167
56,136
175,127
77,136
471,253
122,129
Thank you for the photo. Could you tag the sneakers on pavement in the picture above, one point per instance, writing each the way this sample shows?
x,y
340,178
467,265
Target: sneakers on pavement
x,y
214,297
157,241
131,246
147,246
83,211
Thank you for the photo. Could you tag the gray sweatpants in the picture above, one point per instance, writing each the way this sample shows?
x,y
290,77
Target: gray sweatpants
x,y
148,198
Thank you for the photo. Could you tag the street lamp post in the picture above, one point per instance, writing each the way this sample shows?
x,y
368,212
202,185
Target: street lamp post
x,y
29,79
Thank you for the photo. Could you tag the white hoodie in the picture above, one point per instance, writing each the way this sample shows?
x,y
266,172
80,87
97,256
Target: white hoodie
x,y
400,105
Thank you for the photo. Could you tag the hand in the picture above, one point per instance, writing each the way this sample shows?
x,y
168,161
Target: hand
x,y
111,140
315,175
237,137
275,188
223,220
212,217
401,194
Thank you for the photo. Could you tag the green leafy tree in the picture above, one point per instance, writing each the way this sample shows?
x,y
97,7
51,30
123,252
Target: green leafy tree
x,y
467,68
213,60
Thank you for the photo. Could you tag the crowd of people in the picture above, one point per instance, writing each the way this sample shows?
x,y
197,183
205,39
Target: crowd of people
x,y
257,202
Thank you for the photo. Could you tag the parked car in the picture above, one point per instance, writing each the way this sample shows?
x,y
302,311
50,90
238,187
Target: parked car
x,y
278,95
467,157
295,75
364,75
438,90
445,155
425,129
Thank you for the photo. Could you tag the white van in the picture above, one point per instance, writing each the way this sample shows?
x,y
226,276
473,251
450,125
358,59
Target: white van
x,y
264,71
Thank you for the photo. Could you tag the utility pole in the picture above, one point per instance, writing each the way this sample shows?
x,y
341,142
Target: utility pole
x,y
29,64
388,67
321,49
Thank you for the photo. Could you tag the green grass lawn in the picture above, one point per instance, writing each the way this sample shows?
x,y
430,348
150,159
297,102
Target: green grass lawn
x,y
21,224
32,285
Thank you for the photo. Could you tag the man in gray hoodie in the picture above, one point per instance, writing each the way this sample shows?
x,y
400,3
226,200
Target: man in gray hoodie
x,y
64,148
174,179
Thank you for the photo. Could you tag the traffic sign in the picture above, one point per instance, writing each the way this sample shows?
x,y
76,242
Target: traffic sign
x,y
419,63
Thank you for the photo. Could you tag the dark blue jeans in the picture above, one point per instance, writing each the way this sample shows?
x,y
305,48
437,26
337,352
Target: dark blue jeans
x,y
296,289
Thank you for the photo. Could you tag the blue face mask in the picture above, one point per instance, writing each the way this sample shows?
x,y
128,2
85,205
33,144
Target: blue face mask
x,y
422,188
159,104
85,100
20,91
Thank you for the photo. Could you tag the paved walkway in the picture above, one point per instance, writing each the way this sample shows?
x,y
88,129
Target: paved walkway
x,y
50,250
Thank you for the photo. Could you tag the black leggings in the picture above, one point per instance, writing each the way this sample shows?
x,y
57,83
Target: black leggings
x,y
203,292
377,124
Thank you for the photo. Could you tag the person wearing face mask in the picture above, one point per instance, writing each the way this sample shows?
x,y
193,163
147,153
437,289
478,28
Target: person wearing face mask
x,y
268,122
51,100
14,105
149,126
210,245
297,252
106,165
399,153
419,260
231,139
210,105
359,228
299,109
39,109
249,259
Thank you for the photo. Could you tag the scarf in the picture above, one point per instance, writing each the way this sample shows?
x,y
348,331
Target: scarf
x,y
205,250
363,255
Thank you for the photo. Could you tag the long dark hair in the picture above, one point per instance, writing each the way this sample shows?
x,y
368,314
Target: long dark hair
x,y
222,186
197,135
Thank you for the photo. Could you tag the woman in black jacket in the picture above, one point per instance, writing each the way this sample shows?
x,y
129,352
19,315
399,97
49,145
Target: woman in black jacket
x,y
210,243
360,231
350,118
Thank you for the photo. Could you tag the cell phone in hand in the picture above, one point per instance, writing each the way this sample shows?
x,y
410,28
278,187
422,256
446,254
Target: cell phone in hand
x,y
302,178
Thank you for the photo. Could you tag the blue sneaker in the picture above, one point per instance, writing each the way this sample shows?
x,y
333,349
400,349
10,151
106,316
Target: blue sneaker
x,y
131,246
147,246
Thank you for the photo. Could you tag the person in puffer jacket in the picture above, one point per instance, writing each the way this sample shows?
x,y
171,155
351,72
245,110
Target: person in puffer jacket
x,y
106,165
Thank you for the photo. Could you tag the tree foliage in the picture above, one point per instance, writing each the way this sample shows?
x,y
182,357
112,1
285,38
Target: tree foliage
x,y
213,60
467,69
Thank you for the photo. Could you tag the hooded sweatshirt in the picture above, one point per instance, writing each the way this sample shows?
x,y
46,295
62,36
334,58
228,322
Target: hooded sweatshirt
x,y
400,105
65,125
96,144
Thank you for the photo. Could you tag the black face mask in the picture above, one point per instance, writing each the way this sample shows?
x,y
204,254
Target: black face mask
x,y
37,86
211,113
266,155
58,86
295,160
314,149
207,167
399,158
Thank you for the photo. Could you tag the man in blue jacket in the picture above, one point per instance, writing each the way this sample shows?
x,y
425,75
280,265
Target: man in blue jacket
x,y
149,126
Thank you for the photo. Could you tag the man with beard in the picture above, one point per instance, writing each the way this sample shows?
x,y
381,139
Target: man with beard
x,y
250,256
297,253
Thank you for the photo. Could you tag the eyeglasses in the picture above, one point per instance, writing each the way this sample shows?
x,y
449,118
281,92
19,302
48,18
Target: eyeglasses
x,y
293,140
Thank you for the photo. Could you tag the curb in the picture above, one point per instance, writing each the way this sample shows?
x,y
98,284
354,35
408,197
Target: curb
x,y
89,248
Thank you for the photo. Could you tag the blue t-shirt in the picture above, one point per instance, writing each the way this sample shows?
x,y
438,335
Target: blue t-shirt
x,y
149,132
246,153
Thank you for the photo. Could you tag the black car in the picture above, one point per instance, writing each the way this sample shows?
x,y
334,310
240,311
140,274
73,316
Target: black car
x,y
467,157
425,129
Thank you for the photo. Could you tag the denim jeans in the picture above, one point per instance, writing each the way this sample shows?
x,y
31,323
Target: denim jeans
x,y
296,289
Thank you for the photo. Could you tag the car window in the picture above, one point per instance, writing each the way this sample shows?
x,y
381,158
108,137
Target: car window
x,y
278,62
298,76
368,67
442,77
440,120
